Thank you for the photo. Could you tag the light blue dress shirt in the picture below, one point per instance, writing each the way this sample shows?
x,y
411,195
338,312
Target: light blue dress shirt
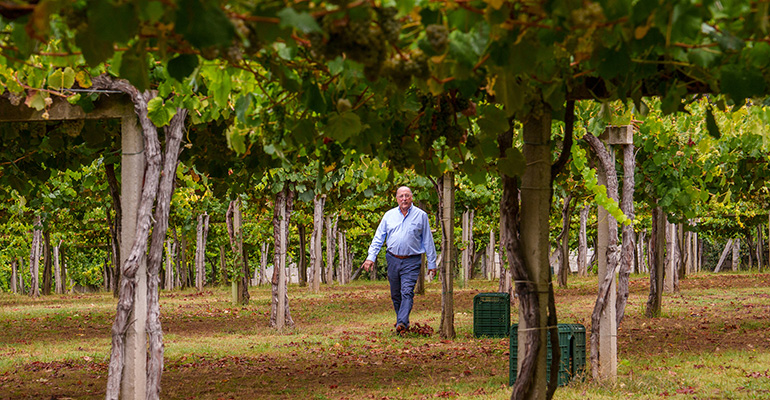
x,y
406,235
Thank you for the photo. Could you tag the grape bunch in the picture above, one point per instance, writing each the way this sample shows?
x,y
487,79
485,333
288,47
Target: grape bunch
x,y
438,37
402,67
360,40
439,119
589,15
391,27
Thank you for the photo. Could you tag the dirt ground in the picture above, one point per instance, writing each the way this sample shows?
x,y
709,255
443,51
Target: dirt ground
x,y
363,361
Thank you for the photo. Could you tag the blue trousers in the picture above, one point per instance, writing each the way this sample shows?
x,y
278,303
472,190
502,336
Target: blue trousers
x,y
403,275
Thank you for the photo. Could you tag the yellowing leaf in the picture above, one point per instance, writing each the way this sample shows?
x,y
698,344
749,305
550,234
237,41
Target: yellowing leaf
x,y
496,4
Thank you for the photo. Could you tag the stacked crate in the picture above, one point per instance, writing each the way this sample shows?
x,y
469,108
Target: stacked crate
x,y
572,345
491,314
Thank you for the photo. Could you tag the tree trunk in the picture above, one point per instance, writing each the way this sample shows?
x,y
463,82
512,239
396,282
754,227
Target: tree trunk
x,y
505,285
223,278
419,287
760,261
670,274
467,240
526,244
606,277
235,231
58,282
34,258
169,285
316,258
627,247
150,191
302,266
723,257
446,193
582,257
681,256
657,262
564,269
341,267
116,229
173,133
264,256
736,254
491,269
331,233
14,276
47,264
280,314
200,250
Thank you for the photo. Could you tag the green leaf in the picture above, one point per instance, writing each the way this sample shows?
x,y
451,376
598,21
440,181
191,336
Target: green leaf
x,y
62,78
95,50
134,66
711,124
159,113
493,120
510,92
741,83
461,49
242,107
613,63
112,23
303,22
343,126
181,66
312,97
513,164
23,42
203,23
36,101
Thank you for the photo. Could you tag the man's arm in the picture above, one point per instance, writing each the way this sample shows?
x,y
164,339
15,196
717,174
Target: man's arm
x,y
427,243
379,238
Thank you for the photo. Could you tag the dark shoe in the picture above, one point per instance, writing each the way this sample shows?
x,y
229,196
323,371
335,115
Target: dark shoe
x,y
400,329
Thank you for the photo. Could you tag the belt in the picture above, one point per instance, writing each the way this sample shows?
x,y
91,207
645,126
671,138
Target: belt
x,y
402,257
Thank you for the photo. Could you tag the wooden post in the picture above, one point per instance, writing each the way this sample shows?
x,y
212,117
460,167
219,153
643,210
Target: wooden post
x,y
133,385
608,344
280,315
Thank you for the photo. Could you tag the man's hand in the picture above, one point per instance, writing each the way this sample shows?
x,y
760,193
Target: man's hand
x,y
367,265
431,274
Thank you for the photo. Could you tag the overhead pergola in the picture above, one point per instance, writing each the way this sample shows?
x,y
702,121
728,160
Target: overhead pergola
x,y
112,105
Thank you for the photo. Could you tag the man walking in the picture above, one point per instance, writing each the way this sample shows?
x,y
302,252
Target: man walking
x,y
407,230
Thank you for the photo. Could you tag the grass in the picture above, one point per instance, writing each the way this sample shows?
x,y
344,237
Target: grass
x,y
711,342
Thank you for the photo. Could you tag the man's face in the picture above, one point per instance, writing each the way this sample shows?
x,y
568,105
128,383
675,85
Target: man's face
x,y
404,198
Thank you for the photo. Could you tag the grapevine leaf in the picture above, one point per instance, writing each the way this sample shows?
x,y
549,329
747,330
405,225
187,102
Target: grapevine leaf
x,y
35,100
242,107
203,24
95,50
134,66
510,92
303,22
313,99
740,83
159,113
493,120
24,43
513,164
343,126
181,66
112,23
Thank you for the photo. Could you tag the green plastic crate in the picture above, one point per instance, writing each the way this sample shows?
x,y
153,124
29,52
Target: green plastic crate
x,y
572,343
491,314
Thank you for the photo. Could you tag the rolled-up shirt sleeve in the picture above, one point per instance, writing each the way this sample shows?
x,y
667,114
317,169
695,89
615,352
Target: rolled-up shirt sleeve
x,y
427,243
377,241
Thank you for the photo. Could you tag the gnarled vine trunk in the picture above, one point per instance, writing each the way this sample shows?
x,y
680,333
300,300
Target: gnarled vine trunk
x,y
280,314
